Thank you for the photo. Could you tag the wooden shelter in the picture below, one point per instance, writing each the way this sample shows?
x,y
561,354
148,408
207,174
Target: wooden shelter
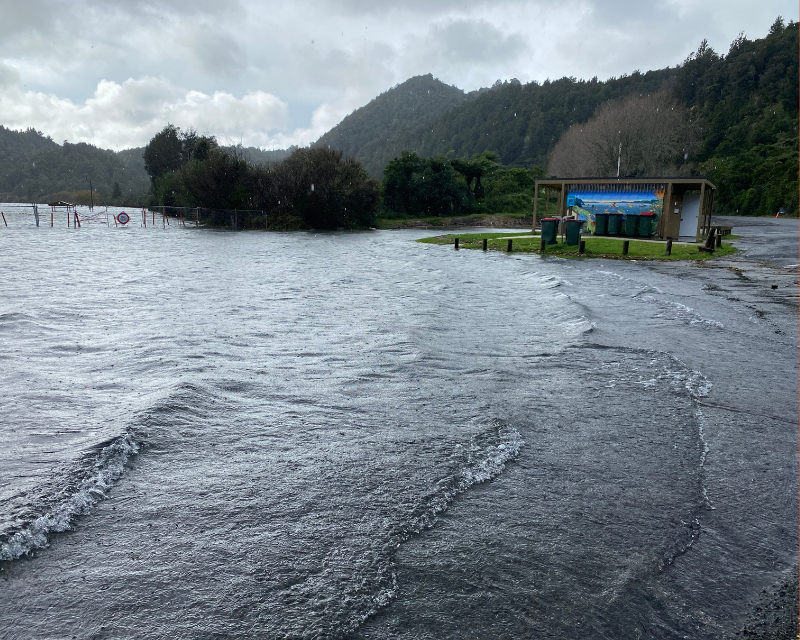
x,y
695,195
61,205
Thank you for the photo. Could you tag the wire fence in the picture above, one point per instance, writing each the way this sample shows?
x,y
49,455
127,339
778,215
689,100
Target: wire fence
x,y
237,219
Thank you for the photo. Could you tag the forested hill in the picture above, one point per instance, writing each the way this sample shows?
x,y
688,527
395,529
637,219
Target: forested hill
x,y
34,167
745,101
520,122
416,100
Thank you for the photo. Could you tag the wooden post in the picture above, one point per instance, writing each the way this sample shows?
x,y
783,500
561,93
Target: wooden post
x,y
701,219
535,206
669,246
582,247
4,218
154,218
666,209
509,245
456,244
625,245
197,216
542,245
144,219
51,218
485,244
719,240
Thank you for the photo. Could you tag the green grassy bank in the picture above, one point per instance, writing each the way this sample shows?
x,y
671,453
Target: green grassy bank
x,y
596,247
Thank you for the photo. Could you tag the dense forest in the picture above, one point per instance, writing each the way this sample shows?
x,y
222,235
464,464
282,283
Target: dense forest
x,y
747,105
744,103
402,107
34,167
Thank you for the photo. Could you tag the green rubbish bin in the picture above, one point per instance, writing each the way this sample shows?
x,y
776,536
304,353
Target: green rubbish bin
x,y
630,224
646,220
550,230
573,232
600,224
614,223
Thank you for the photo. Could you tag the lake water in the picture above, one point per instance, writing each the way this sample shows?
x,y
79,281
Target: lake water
x,y
233,435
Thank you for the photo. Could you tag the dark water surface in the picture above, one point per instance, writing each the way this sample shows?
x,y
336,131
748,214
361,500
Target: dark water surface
x,y
249,435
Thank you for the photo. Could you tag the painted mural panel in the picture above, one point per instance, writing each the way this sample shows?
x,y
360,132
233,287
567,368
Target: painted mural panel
x,y
593,199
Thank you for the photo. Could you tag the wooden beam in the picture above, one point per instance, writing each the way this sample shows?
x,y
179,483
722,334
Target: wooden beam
x,y
701,218
665,209
535,207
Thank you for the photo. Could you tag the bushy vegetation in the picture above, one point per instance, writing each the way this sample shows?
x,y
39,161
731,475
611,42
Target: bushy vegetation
x,y
444,187
311,188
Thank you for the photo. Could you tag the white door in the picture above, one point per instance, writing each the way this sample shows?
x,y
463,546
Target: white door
x,y
689,214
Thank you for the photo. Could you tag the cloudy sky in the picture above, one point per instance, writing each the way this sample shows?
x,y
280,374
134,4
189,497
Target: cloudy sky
x,y
271,74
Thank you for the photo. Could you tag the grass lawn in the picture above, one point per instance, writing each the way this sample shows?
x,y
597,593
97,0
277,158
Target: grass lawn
x,y
596,247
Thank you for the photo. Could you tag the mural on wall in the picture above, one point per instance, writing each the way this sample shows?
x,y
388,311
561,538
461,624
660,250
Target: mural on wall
x,y
593,199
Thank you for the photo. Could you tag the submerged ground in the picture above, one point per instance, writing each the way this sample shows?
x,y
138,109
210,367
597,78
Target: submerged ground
x,y
222,435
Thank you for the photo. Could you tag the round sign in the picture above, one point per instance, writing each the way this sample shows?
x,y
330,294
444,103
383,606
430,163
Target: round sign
x,y
123,218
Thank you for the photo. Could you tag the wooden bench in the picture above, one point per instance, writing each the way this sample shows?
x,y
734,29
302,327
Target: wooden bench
x,y
722,229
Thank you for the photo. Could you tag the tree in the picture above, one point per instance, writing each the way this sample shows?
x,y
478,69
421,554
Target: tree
x,y
430,186
172,148
116,192
164,153
317,188
655,132
475,168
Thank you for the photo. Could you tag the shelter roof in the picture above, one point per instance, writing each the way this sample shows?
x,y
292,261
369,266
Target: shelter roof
x,y
688,182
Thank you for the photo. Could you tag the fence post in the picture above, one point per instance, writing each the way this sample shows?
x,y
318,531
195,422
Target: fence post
x,y
669,246
485,244
582,247
456,244
625,246
509,245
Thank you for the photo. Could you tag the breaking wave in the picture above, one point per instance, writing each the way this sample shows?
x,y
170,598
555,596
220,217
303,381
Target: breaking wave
x,y
75,500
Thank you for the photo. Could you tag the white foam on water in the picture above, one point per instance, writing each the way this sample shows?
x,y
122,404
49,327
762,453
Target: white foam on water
x,y
679,311
484,458
107,469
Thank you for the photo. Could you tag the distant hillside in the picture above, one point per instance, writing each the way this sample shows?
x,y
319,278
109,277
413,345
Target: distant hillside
x,y
33,166
416,100
746,103
520,122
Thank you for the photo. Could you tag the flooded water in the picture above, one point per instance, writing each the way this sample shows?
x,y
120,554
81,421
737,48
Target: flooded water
x,y
239,435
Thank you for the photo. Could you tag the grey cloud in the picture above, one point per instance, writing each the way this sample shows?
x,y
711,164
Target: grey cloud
x,y
219,53
476,41
9,76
